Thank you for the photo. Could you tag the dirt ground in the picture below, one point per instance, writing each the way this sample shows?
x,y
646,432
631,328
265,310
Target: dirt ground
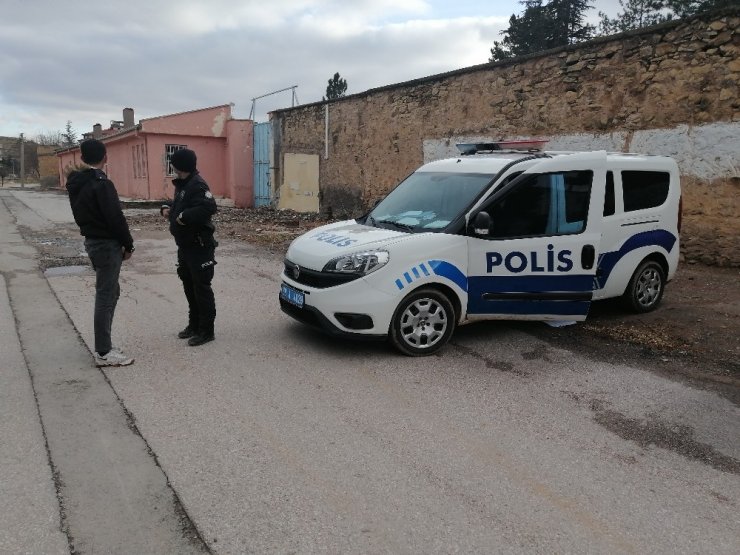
x,y
694,334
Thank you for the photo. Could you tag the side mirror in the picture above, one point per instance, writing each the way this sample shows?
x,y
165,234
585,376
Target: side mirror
x,y
482,224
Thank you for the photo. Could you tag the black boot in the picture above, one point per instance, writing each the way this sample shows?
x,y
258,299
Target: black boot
x,y
200,338
189,331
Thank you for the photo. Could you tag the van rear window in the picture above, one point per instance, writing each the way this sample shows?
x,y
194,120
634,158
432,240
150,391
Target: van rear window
x,y
643,189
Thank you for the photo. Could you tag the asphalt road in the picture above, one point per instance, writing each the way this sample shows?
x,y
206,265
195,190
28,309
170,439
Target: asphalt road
x,y
276,439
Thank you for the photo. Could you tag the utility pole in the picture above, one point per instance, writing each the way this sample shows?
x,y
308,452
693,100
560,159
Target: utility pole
x,y
23,162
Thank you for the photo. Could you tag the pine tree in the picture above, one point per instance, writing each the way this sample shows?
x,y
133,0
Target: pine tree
x,y
69,136
643,13
541,27
336,88
567,25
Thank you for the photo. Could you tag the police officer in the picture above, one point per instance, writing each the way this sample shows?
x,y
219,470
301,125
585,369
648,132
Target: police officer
x,y
189,215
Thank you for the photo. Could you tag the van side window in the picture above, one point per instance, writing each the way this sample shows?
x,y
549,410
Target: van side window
x,y
543,204
644,189
609,195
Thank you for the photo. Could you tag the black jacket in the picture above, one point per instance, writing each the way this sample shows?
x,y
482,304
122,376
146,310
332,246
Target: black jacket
x,y
190,212
97,208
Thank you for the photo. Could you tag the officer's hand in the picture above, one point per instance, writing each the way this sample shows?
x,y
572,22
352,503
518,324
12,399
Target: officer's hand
x,y
165,211
126,254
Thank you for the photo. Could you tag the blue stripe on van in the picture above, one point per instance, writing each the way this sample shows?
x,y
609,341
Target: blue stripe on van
x,y
451,272
529,284
480,285
608,260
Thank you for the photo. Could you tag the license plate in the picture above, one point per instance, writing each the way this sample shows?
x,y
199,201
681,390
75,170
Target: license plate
x,y
291,295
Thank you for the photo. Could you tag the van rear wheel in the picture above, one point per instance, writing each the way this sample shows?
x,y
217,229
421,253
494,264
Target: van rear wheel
x,y
645,289
423,323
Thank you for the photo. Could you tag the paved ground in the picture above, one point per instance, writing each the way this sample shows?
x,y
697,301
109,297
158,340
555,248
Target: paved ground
x,y
276,439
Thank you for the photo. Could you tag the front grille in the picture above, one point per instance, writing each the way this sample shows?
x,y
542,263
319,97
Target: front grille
x,y
314,278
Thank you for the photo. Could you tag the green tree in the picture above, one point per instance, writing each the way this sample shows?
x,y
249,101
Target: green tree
x,y
543,26
634,15
687,8
643,13
566,24
336,88
69,137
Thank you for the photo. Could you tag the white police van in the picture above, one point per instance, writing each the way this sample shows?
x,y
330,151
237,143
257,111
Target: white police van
x,y
491,234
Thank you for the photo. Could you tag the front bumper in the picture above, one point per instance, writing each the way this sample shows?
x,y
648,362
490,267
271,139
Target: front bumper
x,y
314,318
355,309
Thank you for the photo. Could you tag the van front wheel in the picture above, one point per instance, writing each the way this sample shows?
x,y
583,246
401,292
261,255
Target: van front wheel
x,y
645,289
422,323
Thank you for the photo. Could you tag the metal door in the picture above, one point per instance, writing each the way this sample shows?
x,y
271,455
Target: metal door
x,y
541,262
262,193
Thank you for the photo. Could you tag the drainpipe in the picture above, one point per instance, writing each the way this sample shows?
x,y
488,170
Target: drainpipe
x,y
326,131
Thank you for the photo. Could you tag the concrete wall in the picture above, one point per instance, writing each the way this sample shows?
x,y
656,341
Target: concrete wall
x,y
240,162
671,89
206,122
211,153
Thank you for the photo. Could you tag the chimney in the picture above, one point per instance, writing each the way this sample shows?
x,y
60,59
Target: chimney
x,y
97,131
128,118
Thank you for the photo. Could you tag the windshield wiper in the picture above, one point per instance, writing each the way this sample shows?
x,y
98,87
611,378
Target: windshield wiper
x,y
397,225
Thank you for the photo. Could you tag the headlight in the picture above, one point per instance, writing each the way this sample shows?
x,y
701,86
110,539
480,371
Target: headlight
x,y
358,262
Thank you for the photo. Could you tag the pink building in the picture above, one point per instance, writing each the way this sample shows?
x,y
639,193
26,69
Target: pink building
x,y
139,154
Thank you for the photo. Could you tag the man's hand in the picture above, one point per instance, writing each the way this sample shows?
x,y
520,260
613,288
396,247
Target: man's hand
x,y
166,212
126,254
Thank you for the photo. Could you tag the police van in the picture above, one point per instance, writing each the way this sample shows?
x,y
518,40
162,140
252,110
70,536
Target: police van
x,y
495,233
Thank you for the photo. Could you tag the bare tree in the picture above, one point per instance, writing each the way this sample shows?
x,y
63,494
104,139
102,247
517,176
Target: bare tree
x,y
50,138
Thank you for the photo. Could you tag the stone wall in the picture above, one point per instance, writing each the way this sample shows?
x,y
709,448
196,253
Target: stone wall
x,y
48,162
676,80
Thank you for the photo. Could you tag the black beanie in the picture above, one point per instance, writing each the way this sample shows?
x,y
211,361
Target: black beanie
x,y
183,160
92,151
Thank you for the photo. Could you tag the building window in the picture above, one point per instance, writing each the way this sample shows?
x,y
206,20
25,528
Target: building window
x,y
138,157
169,151
142,160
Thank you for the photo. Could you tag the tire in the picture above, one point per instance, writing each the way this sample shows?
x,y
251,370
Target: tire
x,y
645,289
423,323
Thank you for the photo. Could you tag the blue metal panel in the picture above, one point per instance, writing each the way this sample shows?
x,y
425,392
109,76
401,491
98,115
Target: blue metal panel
x,y
262,193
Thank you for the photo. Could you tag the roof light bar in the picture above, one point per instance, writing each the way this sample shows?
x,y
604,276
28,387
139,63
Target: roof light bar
x,y
526,145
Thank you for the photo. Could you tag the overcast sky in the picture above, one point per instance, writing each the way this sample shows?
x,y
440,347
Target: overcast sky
x,y
85,61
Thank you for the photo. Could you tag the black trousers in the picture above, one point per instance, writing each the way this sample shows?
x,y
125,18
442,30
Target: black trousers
x,y
106,257
195,268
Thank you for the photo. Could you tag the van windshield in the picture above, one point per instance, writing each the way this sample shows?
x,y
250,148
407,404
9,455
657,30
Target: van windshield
x,y
427,201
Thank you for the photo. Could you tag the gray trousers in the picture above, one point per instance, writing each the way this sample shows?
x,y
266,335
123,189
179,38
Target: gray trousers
x,y
106,257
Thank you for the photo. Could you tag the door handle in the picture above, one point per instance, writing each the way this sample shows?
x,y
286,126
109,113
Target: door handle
x,y
588,255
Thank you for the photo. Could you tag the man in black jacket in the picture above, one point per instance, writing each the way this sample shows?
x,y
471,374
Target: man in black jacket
x,y
97,210
189,215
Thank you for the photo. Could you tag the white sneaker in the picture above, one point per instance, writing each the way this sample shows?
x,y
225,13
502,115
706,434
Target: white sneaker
x,y
114,357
